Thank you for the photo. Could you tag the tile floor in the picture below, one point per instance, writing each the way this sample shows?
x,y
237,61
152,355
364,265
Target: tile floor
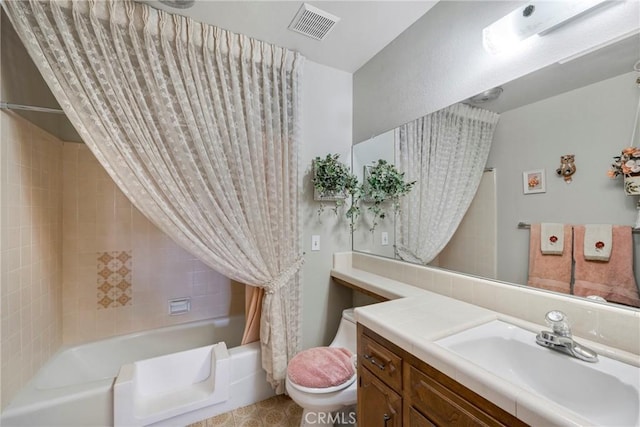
x,y
278,411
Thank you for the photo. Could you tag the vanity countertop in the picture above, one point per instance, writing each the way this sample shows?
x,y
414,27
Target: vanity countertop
x,y
415,318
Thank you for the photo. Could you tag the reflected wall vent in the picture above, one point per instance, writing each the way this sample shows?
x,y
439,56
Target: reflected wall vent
x,y
313,22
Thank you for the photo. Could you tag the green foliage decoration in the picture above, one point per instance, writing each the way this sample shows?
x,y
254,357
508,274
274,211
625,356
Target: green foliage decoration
x,y
383,183
333,181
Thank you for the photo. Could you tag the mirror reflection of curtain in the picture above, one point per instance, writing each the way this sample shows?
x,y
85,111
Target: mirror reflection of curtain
x,y
198,127
445,153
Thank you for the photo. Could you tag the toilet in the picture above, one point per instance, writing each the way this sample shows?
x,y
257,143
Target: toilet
x,y
321,405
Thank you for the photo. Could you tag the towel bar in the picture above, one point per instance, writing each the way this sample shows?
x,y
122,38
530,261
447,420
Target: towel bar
x,y
526,226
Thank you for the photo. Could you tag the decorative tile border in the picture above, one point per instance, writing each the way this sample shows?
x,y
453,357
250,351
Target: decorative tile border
x,y
114,279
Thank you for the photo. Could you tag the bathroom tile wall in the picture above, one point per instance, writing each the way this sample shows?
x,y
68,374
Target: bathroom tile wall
x,y
473,247
31,251
78,261
119,270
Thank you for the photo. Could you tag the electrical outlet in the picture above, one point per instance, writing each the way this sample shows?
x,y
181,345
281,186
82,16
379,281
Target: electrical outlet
x,y
315,242
384,238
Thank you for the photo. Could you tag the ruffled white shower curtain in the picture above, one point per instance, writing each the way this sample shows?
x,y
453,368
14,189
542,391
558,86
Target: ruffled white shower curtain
x,y
198,127
445,153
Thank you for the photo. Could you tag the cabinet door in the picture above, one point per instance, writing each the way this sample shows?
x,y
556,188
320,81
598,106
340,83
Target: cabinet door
x,y
416,419
442,405
378,405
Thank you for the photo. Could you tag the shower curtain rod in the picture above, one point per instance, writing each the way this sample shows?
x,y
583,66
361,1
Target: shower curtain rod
x,y
10,106
526,226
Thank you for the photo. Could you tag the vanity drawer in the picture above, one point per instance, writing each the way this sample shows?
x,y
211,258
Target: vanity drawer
x,y
381,361
442,406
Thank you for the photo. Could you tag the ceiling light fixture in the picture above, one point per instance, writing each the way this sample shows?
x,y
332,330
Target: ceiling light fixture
x,y
535,18
178,4
486,96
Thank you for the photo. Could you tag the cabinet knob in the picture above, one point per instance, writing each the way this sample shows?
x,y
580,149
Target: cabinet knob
x,y
386,419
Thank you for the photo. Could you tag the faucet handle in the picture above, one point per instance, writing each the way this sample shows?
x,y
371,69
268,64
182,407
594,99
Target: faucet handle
x,y
558,322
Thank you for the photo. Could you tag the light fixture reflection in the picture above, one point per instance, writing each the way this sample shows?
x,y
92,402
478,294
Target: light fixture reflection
x,y
531,19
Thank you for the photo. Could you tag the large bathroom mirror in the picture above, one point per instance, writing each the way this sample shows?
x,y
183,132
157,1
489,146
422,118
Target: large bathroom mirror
x,y
585,107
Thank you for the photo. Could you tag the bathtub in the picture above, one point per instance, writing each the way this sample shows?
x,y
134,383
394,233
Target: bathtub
x,y
75,387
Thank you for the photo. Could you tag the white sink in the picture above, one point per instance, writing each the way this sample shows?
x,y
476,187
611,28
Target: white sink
x,y
606,393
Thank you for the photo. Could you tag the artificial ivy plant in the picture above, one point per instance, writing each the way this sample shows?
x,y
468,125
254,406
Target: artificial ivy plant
x,y
383,182
333,181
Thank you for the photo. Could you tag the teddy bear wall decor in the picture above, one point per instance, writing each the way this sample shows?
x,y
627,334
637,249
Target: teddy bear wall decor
x,y
567,167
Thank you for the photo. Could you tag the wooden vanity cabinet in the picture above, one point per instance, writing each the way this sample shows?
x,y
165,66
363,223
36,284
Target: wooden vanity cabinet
x,y
381,406
416,419
397,389
381,361
379,382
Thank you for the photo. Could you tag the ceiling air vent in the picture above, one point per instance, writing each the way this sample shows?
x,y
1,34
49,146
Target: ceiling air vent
x,y
313,22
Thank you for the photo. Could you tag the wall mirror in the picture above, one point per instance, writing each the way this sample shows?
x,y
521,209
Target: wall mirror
x,y
584,106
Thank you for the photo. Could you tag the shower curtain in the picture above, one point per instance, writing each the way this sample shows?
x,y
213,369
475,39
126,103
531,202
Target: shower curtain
x,y
445,153
198,126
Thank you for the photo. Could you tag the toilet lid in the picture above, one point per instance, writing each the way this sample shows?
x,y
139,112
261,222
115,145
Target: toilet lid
x,y
322,369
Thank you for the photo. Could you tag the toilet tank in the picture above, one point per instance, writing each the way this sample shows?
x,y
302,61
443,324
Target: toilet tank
x,y
346,335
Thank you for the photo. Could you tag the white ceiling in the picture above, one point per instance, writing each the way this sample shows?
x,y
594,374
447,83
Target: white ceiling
x,y
365,27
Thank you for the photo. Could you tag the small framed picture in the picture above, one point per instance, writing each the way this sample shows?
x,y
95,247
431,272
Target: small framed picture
x,y
533,181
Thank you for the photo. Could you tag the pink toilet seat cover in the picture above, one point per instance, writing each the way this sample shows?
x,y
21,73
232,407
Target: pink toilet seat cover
x,y
321,367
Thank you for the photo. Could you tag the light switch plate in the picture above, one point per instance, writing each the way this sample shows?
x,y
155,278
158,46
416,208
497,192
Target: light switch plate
x,y
384,238
315,242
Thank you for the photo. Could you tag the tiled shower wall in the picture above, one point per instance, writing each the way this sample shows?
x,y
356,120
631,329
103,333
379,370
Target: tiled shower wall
x,y
31,266
119,270
78,261
473,247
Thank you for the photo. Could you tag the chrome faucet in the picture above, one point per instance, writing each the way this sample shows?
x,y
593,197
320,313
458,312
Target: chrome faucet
x,y
560,339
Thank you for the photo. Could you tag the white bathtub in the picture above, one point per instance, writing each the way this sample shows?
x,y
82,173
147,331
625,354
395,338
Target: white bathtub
x,y
74,388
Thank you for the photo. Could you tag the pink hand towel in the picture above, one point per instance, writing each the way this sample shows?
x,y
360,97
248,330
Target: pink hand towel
x,y
551,272
613,280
